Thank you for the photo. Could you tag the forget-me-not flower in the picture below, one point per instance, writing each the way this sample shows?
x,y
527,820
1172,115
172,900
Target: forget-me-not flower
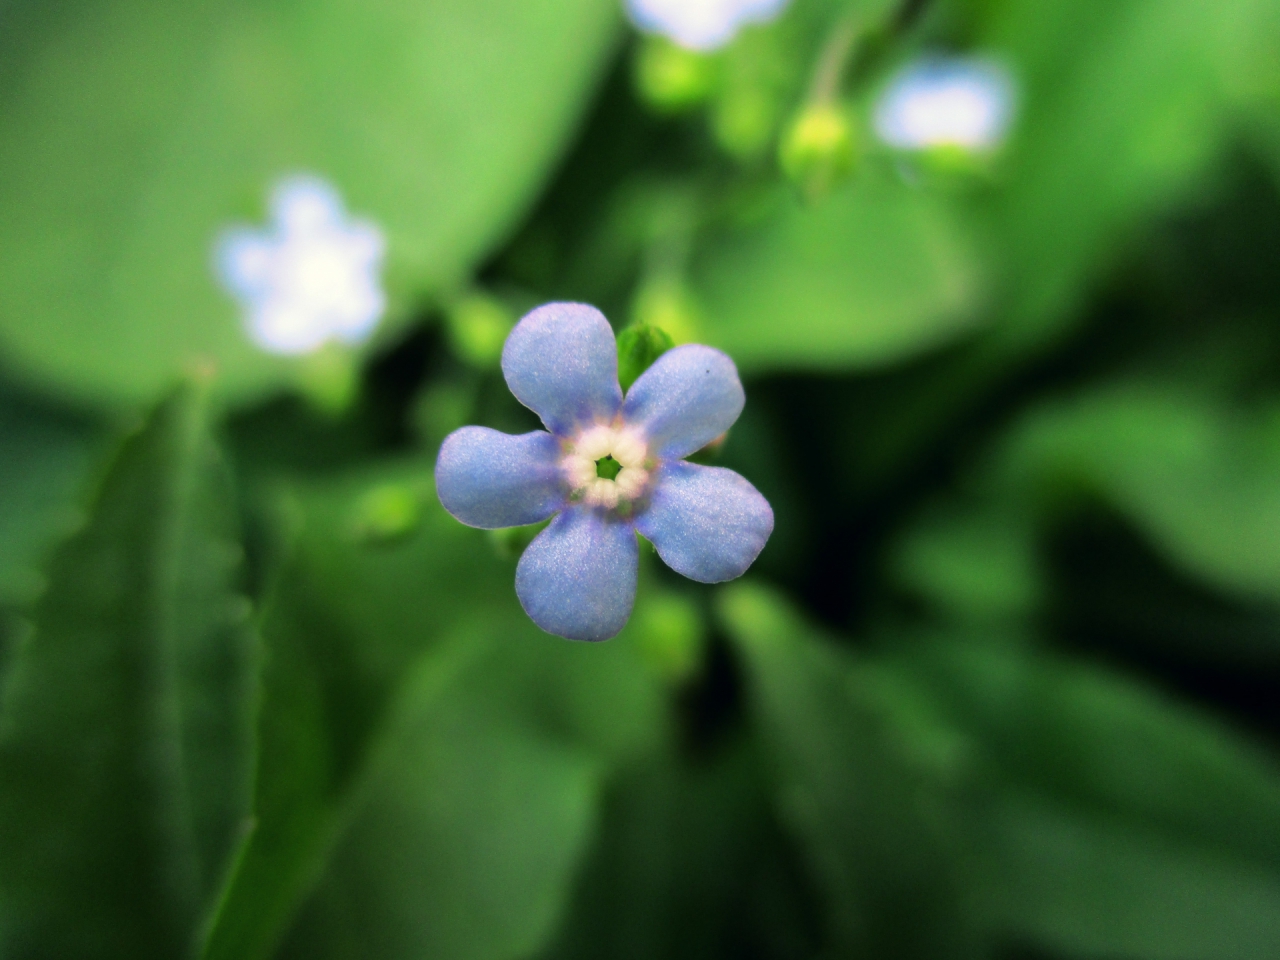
x,y
606,468
312,277
946,102
701,24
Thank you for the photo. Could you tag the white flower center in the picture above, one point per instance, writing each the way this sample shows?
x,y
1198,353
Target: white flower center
x,y
626,447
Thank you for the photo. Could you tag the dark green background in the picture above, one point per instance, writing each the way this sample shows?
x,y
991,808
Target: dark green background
x,y
1005,682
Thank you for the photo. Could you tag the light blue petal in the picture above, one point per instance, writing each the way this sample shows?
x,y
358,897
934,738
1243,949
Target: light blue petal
x,y
561,361
689,397
578,578
707,523
489,479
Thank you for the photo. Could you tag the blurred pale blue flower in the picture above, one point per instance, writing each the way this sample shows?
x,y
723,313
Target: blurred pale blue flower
x,y
946,102
578,578
311,277
701,24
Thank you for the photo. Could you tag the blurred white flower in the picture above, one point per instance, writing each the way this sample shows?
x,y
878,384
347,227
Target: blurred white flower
x,y
701,24
312,276
946,102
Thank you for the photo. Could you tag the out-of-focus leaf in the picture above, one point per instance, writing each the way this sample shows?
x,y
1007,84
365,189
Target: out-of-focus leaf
x,y
135,132
1202,480
1122,103
404,677
464,841
974,561
44,460
869,825
689,862
872,275
1091,887
126,745
1116,823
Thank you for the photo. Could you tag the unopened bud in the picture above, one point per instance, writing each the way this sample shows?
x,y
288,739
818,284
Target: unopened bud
x,y
817,152
744,121
510,542
441,409
670,635
638,346
478,326
329,379
670,78
667,304
387,513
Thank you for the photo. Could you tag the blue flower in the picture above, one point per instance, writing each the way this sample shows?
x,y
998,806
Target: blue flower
x,y
312,278
962,102
701,24
608,467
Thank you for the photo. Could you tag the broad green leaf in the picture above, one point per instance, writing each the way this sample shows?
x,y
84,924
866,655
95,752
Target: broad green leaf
x,y
689,862
1116,822
465,841
868,822
390,838
44,463
872,275
1095,888
381,656
1101,742
1123,105
126,747
972,559
1091,887
1200,478
137,130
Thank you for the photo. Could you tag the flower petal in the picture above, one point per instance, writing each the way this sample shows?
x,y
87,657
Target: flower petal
x,y
578,578
689,397
708,523
561,361
489,479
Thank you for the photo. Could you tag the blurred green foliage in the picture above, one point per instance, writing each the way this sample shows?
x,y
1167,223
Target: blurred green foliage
x,y
1004,684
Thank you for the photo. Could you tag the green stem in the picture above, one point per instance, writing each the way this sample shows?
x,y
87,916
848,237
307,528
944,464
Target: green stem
x,y
835,57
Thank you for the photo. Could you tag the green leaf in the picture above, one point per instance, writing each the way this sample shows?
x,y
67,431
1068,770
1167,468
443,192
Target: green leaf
x,y
1090,887
872,275
44,463
689,863
137,131
391,839
864,813
973,560
1123,105
1196,475
1115,821
411,712
127,734
465,841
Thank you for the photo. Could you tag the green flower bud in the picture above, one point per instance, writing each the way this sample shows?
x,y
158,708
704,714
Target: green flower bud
x,y
665,303
329,379
743,122
387,513
442,408
669,635
638,346
817,151
478,326
510,542
670,78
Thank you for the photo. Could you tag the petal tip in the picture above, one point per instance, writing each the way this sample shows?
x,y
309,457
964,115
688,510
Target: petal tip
x,y
561,361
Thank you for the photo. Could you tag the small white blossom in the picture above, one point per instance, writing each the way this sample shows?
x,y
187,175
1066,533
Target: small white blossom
x,y
312,276
946,102
701,24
